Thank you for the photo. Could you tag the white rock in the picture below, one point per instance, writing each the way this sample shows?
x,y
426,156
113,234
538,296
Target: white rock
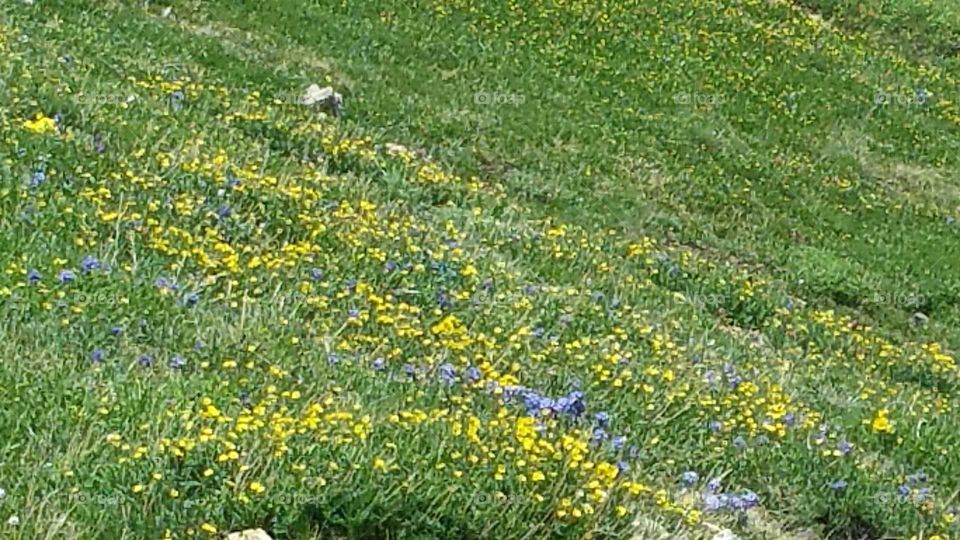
x,y
325,96
249,534
725,534
315,94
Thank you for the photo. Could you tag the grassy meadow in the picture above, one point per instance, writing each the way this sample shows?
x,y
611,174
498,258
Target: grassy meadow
x,y
560,269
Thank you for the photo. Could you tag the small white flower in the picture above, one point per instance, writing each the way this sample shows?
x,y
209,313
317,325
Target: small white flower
x,y
13,521
3,493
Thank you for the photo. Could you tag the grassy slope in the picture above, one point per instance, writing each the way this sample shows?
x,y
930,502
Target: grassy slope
x,y
796,159
733,194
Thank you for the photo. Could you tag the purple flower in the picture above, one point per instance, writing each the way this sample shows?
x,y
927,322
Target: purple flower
x,y
714,503
838,485
917,478
37,179
574,405
844,447
739,443
690,478
116,330
750,499
316,274
715,426
602,418
197,344
33,276
97,355
473,374
89,264
191,299
448,374
67,276
618,442
164,283
410,370
599,435
623,467
535,403
177,362
713,485
379,364
903,490
333,359
145,360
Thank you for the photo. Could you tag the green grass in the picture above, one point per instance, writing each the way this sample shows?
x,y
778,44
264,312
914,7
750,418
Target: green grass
x,y
729,227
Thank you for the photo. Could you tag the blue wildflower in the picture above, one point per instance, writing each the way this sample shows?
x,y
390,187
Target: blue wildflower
x,y
715,426
448,374
473,374
34,276
97,355
177,362
379,364
37,179
316,274
838,485
333,359
89,264
714,503
145,360
167,284
618,442
602,418
574,406
690,478
116,330
714,485
739,443
67,276
191,299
